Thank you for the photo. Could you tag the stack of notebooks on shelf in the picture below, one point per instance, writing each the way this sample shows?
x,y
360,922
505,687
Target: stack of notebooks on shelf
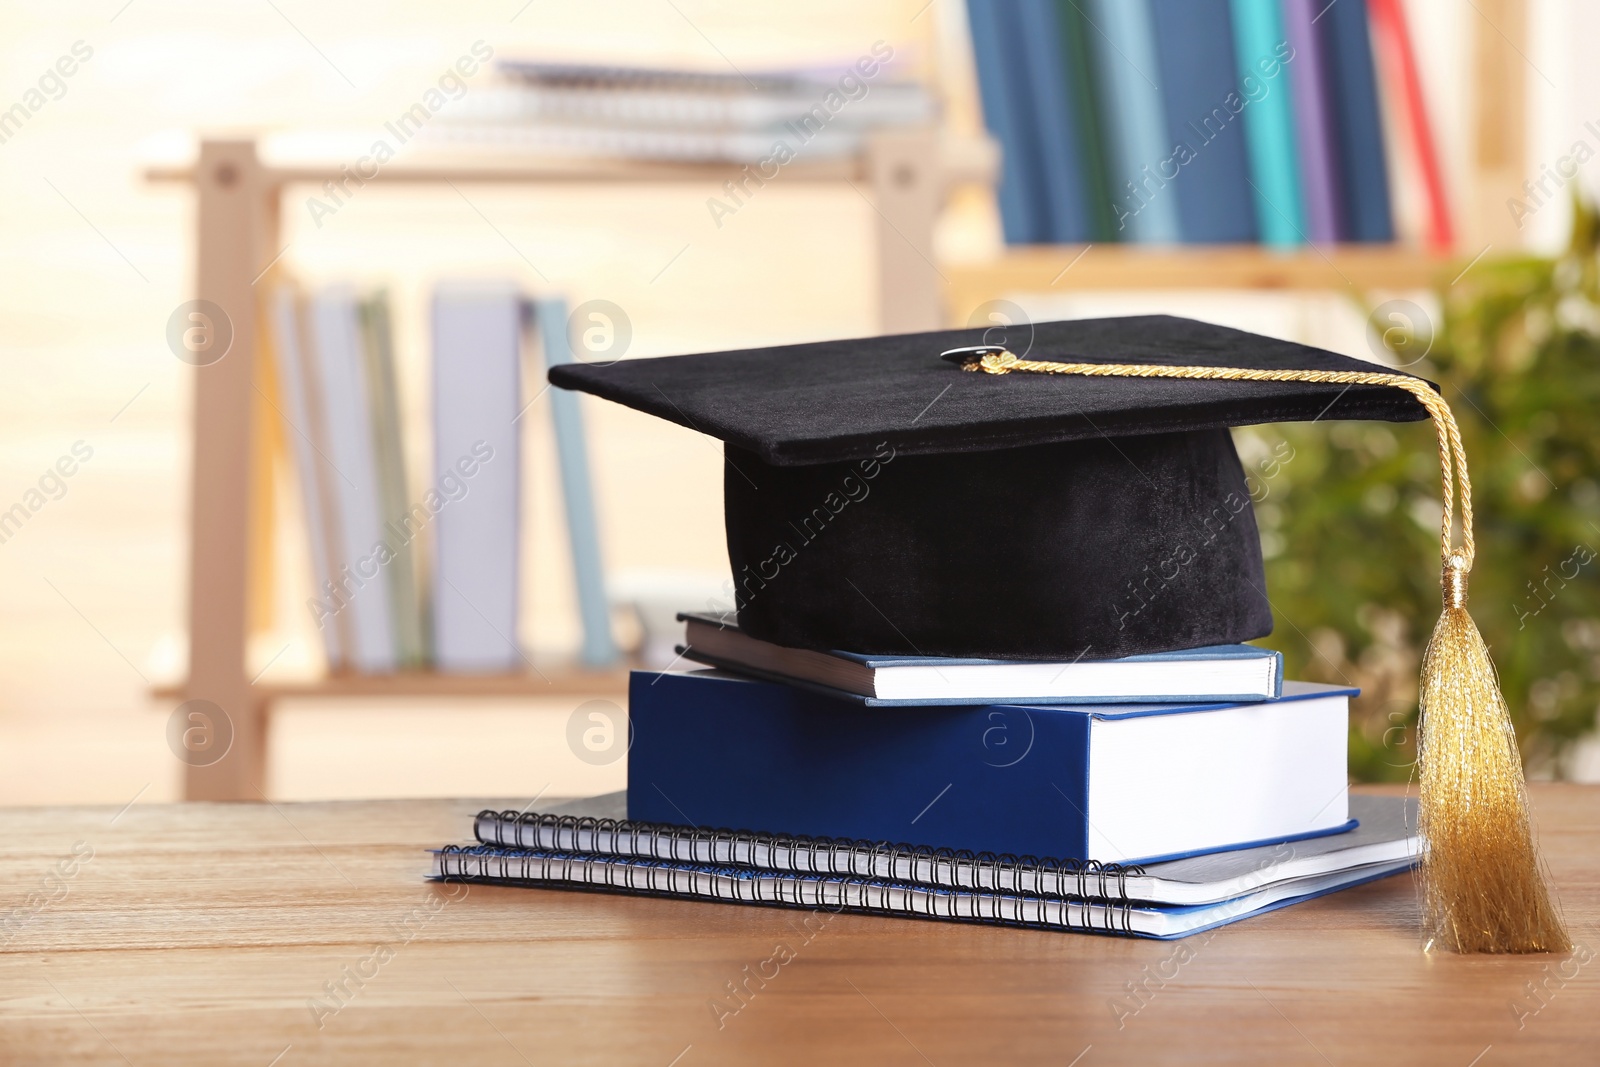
x,y
988,667
766,117
1207,121
412,573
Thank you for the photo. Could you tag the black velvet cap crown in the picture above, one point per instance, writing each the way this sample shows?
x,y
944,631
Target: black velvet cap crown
x,y
878,499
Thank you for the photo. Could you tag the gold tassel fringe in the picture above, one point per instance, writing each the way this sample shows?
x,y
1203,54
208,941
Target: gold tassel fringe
x,y
1483,883
1482,889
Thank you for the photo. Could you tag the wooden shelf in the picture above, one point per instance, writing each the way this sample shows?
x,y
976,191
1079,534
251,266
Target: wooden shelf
x,y
285,159
562,681
1068,268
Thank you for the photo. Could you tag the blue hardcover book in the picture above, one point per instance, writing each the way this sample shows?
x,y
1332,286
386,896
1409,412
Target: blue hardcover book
x,y
1055,125
1217,673
1003,92
1363,167
1199,83
1123,784
1261,50
1141,154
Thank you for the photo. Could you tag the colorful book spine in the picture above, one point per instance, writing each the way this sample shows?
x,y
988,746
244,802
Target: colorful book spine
x,y
1055,124
1078,63
1142,163
583,533
1315,135
1401,75
1262,52
1365,213
1204,110
1003,94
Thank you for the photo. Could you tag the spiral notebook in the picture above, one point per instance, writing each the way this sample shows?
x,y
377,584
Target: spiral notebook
x,y
745,885
584,847
1385,834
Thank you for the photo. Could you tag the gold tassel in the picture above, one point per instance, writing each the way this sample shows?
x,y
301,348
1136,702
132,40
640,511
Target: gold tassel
x,y
1483,883
1482,890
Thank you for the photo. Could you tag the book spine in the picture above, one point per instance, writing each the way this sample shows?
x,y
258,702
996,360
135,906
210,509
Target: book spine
x,y
583,534
1403,79
1262,52
1204,111
1078,62
1142,167
1315,136
1003,101
1359,155
1055,123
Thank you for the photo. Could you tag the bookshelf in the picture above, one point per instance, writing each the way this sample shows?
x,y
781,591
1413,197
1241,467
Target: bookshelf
x,y
239,189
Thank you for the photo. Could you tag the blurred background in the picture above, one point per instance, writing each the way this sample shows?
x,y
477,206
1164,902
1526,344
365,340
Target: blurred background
x,y
994,168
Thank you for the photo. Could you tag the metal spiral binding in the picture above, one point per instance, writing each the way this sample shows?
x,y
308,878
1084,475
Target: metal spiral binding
x,y
1069,879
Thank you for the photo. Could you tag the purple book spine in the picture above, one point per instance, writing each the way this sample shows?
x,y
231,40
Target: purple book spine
x,y
1313,119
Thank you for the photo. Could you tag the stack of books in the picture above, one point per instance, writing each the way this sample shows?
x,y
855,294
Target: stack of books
x,y
1045,713
1155,796
622,112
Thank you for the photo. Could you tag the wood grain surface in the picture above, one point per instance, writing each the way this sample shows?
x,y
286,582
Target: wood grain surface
x,y
213,934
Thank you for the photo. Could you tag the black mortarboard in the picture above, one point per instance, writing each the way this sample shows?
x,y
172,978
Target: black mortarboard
x,y
880,501
1081,497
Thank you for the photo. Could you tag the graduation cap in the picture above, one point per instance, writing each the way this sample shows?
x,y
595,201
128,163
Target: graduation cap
x,y
935,494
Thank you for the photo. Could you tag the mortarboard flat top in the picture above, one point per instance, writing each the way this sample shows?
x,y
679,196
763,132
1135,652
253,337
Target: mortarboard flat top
x,y
837,400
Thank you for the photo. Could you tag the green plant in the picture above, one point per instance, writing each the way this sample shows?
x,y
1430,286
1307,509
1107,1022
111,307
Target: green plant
x,y
1349,514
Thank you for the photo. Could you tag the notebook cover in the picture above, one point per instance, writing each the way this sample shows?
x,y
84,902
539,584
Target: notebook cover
x,y
1199,89
1133,121
1363,168
1258,38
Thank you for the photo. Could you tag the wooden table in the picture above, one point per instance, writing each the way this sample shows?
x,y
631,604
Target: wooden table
x,y
206,933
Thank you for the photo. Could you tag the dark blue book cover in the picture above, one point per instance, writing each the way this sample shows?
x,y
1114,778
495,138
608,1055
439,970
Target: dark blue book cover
x,y
1003,92
1056,129
1112,783
1194,48
1363,168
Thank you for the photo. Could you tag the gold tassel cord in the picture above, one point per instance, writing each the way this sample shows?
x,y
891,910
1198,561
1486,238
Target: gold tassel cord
x,y
1483,883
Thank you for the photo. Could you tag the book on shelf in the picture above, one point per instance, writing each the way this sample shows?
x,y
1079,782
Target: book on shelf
x,y
1136,126
1218,673
1124,783
1194,53
584,846
1315,136
477,400
1362,161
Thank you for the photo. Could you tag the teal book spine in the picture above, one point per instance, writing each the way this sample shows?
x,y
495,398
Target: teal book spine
x,y
1142,157
1262,49
583,532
